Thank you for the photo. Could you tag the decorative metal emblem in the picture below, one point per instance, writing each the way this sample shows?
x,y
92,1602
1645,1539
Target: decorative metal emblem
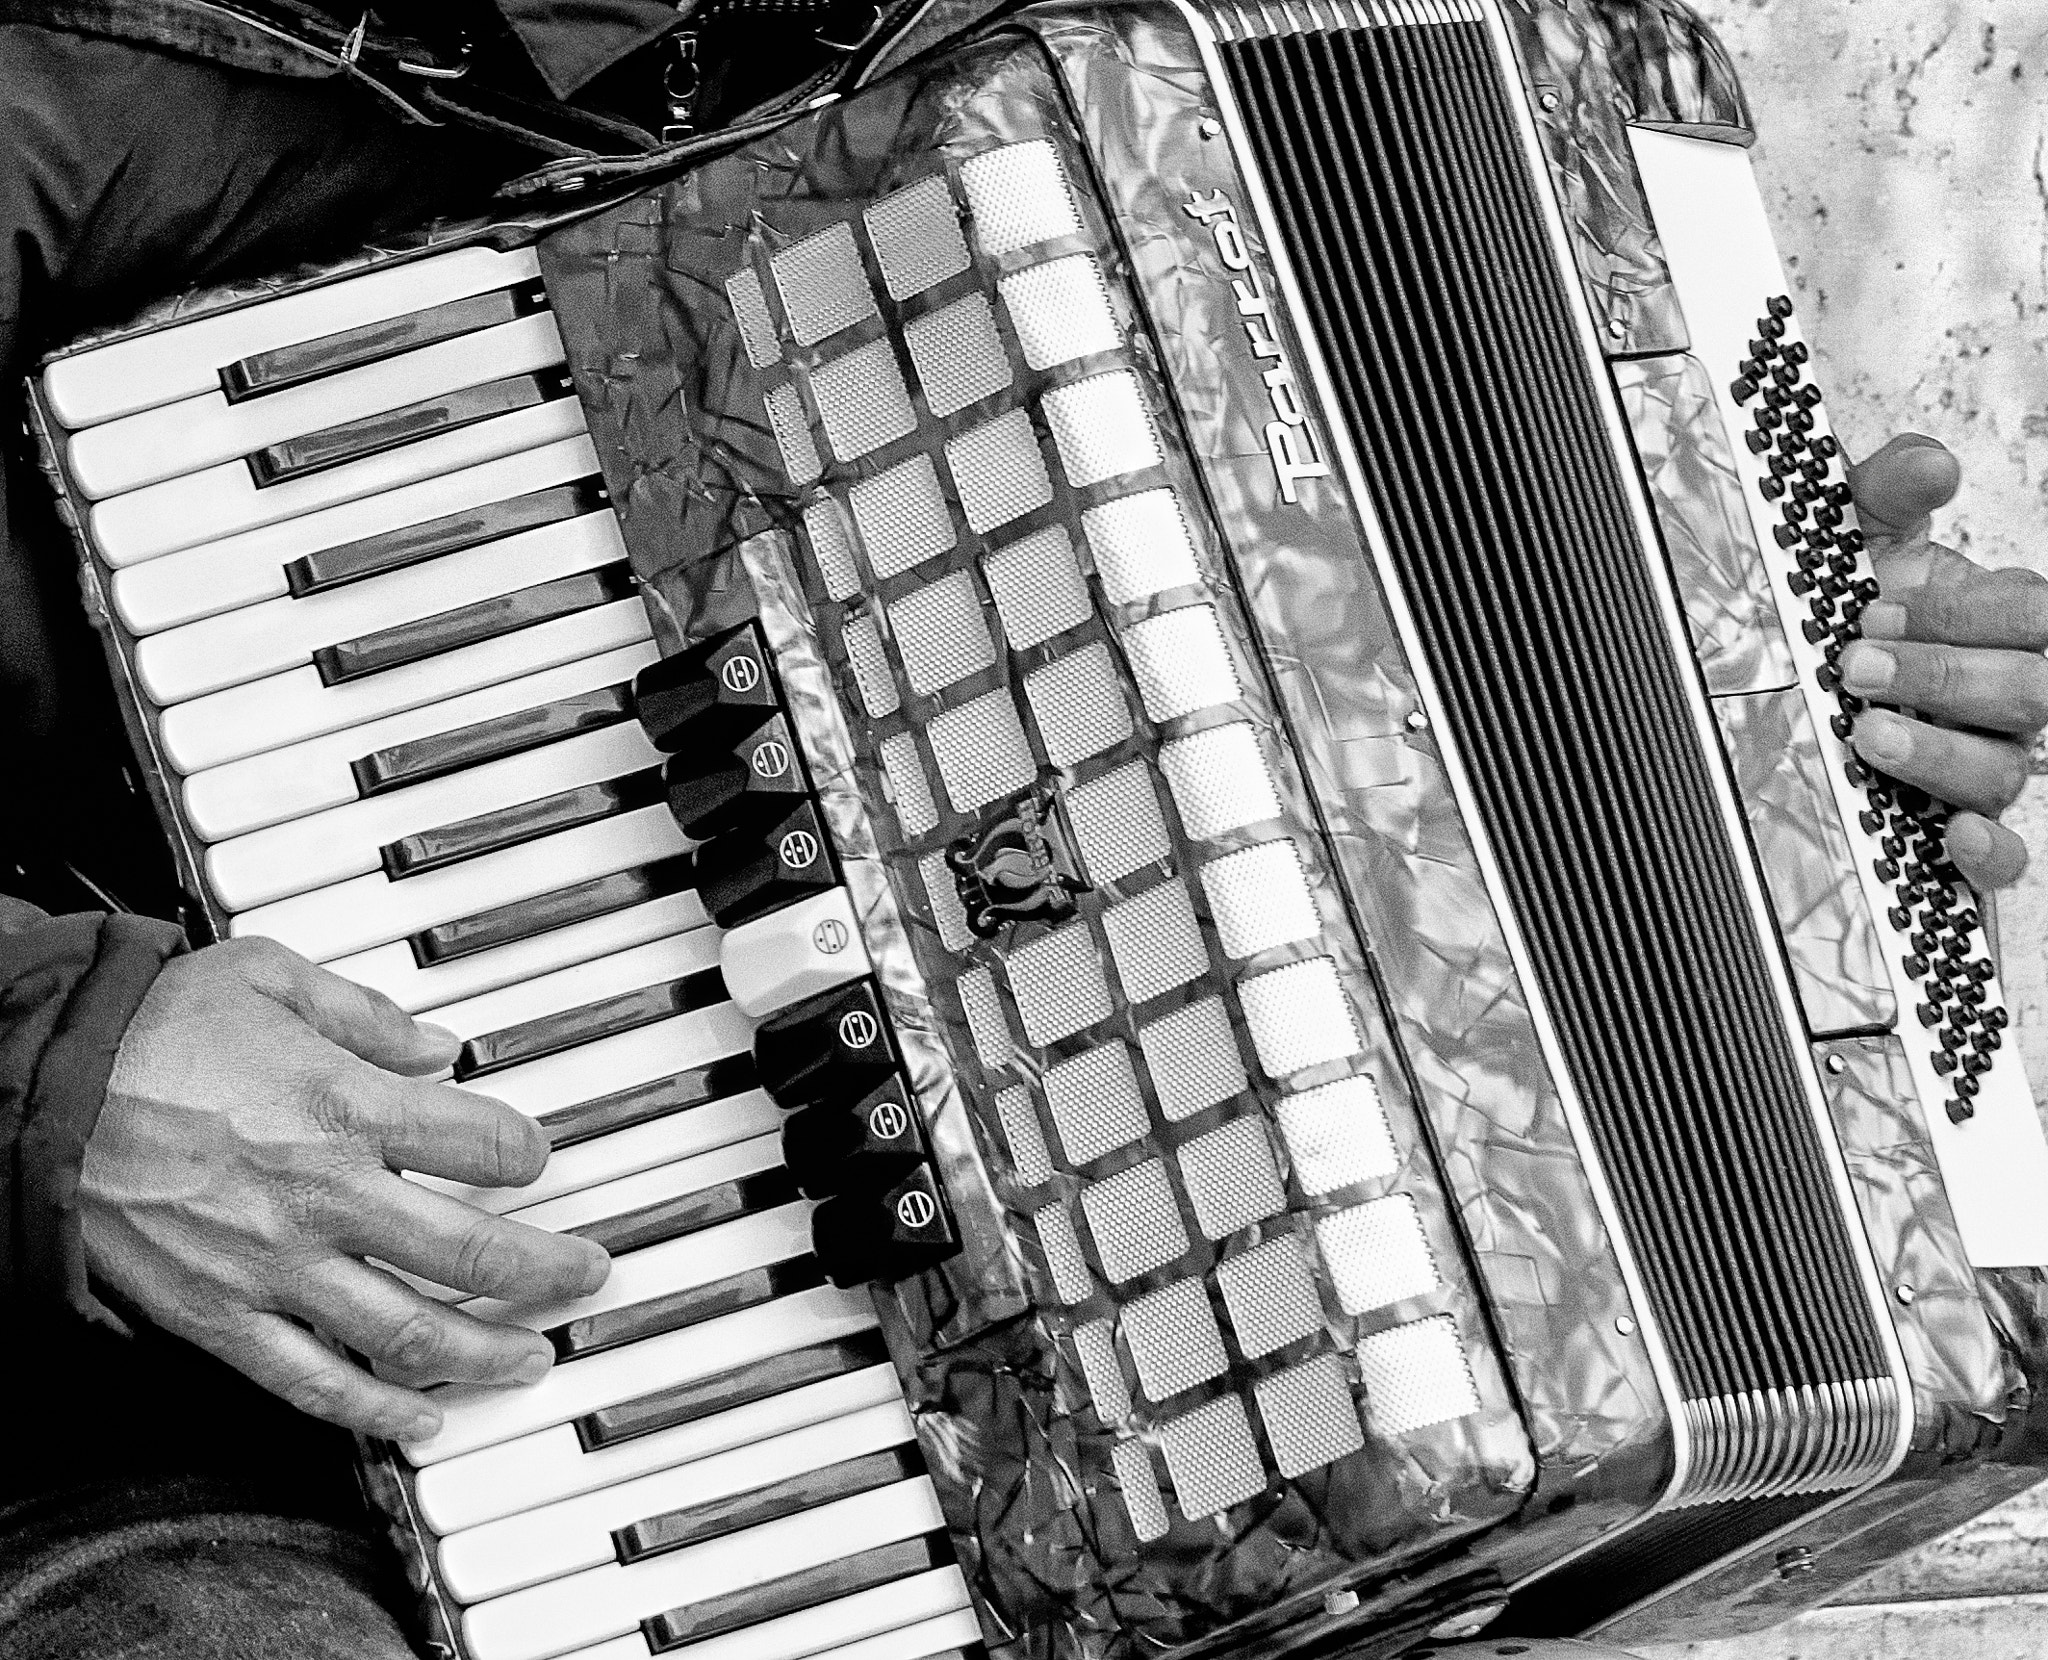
x,y
1018,865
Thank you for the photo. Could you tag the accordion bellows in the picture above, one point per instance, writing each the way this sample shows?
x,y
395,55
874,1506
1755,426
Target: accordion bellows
x,y
1300,554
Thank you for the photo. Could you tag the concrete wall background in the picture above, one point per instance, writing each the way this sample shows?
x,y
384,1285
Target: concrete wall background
x,y
1904,154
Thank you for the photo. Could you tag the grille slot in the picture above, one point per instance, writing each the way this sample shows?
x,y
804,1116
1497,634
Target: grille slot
x,y
1405,201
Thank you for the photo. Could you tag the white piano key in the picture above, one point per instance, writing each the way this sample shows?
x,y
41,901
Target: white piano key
x,y
547,1620
309,771
391,970
364,911
624,1152
651,1187
799,1636
941,1634
795,952
340,842
477,1415
683,1264
186,359
262,640
203,431
245,569
621,1061
501,1480
576,1533
203,506
586,982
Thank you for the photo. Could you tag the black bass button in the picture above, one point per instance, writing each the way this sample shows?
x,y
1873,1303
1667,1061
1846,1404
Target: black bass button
x,y
709,697
731,792
750,872
836,1044
841,1144
865,1236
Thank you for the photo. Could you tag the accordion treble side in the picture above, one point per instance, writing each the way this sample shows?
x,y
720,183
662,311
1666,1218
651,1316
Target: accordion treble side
x,y
1250,591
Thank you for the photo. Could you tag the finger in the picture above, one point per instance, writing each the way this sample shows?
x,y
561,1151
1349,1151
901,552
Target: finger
x,y
453,1244
1902,484
1998,691
412,1338
364,1022
1965,769
1988,854
439,1130
295,1365
1966,607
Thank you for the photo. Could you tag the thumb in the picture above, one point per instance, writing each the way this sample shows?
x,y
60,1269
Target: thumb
x,y
366,1023
1902,484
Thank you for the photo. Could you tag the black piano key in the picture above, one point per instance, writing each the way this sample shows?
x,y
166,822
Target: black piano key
x,y
306,360
716,793
886,1236
594,1333
714,1617
834,1044
409,642
555,909
709,697
743,876
758,1380
689,1213
713,1519
566,1028
336,567
491,740
523,821
864,1143
644,1103
336,446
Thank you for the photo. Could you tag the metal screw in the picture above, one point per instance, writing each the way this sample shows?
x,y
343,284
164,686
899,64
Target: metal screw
x,y
1905,1294
1468,1624
1548,100
1339,1602
1795,1562
1836,1066
1210,128
1618,329
1624,1325
1417,720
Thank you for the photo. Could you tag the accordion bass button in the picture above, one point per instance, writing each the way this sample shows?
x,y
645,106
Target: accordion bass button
x,y
833,1045
792,954
708,698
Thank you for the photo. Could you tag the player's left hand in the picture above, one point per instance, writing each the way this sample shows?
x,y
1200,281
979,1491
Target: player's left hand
x,y
1958,646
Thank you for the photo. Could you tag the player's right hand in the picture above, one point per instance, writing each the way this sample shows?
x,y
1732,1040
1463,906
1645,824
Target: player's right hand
x,y
247,1161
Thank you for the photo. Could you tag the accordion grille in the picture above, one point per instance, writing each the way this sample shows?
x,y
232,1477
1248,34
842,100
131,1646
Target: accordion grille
x,y
1409,210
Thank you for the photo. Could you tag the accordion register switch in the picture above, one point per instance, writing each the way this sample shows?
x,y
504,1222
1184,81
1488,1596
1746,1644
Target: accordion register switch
x,y
853,1131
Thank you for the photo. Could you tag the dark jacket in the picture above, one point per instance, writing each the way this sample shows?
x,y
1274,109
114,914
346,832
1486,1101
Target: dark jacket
x,y
69,985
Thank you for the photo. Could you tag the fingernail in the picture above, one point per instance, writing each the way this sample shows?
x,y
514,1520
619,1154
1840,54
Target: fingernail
x,y
1883,738
436,1040
1884,620
1868,668
419,1426
533,1367
597,1272
1968,839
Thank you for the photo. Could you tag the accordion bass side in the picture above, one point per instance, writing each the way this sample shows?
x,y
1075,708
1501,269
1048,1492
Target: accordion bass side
x,y
1243,605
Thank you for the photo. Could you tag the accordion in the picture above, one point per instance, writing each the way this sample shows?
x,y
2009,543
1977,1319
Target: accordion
x,y
1133,740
